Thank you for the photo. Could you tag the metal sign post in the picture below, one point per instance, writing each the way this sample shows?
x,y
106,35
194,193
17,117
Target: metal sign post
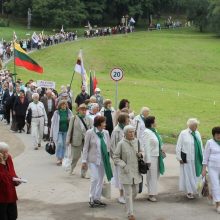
x,y
116,75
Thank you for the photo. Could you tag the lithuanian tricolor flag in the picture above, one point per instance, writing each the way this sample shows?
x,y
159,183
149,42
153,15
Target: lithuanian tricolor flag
x,y
22,59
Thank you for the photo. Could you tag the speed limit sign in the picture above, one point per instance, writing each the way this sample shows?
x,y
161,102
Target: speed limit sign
x,y
116,74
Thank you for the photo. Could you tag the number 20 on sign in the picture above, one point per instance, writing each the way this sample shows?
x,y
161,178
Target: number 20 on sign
x,y
116,74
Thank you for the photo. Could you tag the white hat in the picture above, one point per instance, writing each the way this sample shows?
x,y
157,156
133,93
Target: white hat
x,y
97,90
3,146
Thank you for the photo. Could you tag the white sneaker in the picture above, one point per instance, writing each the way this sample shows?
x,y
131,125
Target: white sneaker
x,y
121,200
218,209
152,199
190,196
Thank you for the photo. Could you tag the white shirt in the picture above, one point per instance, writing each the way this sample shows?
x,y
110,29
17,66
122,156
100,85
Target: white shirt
x,y
212,154
150,145
139,128
38,110
185,143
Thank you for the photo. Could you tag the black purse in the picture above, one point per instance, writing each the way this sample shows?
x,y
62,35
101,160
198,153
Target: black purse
x,y
50,148
142,166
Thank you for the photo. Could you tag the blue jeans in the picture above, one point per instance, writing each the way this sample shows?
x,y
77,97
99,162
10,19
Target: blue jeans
x,y
61,145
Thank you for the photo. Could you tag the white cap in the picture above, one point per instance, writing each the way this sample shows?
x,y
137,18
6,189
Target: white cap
x,y
97,90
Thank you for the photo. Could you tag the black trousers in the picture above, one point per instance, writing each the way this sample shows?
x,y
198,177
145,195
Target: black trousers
x,y
8,211
8,113
20,121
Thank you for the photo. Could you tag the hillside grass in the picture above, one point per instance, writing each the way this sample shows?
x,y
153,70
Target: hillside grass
x,y
174,72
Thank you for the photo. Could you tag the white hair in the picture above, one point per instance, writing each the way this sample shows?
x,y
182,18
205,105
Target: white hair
x,y
192,121
3,146
94,105
143,109
35,95
128,128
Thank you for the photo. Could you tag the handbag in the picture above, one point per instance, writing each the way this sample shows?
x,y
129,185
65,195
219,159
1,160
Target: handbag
x,y
205,189
106,190
183,157
45,130
66,163
50,148
142,166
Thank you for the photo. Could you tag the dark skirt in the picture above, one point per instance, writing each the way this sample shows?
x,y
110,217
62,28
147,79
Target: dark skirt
x,y
8,211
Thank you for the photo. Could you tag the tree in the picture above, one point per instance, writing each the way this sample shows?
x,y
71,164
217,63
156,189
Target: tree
x,y
214,15
197,11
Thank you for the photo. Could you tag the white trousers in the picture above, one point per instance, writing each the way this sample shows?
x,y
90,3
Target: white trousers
x,y
97,175
116,180
153,176
214,176
188,179
37,130
130,193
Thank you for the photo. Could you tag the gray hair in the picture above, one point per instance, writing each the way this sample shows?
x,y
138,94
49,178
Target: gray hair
x,y
128,128
35,95
143,109
94,105
192,121
3,146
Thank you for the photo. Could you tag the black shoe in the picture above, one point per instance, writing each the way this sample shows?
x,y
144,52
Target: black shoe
x,y
20,131
91,204
99,203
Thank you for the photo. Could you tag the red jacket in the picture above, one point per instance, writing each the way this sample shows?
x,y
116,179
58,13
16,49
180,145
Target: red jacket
x,y
7,185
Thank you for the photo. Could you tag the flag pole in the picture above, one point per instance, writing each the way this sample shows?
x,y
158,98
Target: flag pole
x,y
72,79
15,74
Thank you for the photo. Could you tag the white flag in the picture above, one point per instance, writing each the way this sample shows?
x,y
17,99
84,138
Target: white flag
x,y
35,38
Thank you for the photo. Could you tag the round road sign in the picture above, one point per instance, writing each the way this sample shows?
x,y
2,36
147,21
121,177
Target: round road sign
x,y
116,74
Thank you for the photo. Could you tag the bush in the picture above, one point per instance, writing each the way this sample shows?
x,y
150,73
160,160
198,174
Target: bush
x,y
4,23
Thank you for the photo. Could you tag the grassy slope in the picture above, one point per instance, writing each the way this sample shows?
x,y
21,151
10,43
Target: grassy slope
x,y
157,66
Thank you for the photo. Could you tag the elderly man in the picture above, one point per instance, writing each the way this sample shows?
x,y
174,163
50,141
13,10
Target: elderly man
x,y
125,156
49,105
82,97
38,120
139,123
65,96
30,92
78,126
189,154
99,97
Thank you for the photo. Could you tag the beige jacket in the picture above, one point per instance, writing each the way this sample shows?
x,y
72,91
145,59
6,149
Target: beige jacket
x,y
92,146
125,156
76,133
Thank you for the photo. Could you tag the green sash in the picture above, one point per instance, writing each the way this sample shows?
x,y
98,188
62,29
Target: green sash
x,y
161,163
105,156
198,154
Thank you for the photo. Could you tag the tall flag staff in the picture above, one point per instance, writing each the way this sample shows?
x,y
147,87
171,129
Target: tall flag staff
x,y
14,41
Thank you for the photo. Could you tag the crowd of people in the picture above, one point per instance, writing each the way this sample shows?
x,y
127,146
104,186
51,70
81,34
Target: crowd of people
x,y
99,134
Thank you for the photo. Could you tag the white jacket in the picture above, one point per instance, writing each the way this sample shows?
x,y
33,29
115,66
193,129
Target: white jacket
x,y
185,143
150,145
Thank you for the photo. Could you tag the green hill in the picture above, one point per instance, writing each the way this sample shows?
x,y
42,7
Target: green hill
x,y
175,72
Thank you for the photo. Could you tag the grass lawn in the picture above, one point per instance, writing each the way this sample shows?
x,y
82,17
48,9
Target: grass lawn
x,y
175,72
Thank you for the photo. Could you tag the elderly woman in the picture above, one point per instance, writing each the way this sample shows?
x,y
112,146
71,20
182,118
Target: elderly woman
x,y
154,156
117,136
189,155
19,110
94,111
212,162
59,128
109,112
96,156
125,156
8,196
38,120
139,123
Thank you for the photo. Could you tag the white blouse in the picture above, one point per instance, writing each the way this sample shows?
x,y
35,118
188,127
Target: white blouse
x,y
211,155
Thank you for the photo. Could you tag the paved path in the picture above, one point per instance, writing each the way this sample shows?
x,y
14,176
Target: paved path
x,y
51,194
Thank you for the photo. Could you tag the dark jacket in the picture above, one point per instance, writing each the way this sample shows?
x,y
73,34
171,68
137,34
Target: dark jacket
x,y
80,99
7,99
44,101
20,108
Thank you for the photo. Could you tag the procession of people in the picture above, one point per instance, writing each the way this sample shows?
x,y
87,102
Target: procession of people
x,y
112,144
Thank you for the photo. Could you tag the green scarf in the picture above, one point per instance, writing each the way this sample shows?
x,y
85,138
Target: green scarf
x,y
218,142
161,163
80,115
121,125
105,156
198,154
